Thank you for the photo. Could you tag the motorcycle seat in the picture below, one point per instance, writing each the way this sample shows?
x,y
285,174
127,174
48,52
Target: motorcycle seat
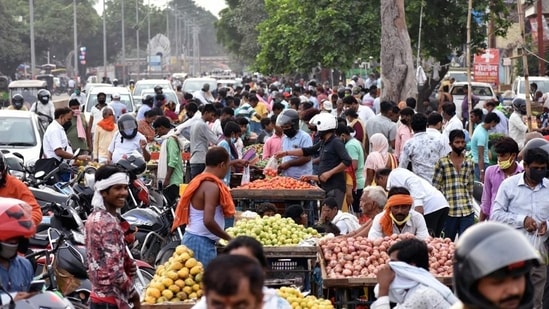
x,y
39,240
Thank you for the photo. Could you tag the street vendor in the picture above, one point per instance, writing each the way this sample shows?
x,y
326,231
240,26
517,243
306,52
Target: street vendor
x,y
334,158
398,217
204,205
345,221
372,202
293,165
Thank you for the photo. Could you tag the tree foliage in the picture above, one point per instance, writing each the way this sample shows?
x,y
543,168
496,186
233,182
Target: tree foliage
x,y
237,28
12,39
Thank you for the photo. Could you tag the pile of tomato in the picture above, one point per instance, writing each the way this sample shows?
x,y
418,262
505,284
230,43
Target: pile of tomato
x,y
278,182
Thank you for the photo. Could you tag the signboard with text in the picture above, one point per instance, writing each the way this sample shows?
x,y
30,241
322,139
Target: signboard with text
x,y
486,66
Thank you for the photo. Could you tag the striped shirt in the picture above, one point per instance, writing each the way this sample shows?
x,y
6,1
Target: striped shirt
x,y
456,186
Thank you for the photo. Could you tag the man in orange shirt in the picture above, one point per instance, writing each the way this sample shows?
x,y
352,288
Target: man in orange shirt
x,y
15,188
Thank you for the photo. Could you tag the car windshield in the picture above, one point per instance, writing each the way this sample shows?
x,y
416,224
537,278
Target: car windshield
x,y
481,91
543,85
170,96
124,98
195,85
16,131
140,87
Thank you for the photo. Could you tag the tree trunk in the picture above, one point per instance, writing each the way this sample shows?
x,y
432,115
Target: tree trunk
x,y
397,66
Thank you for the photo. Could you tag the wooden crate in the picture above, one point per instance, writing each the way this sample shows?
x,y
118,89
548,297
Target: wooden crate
x,y
179,305
275,194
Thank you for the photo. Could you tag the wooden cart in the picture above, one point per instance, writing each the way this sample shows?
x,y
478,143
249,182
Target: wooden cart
x,y
247,199
169,305
342,287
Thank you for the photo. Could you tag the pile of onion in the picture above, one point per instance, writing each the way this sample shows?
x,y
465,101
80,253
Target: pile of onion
x,y
348,257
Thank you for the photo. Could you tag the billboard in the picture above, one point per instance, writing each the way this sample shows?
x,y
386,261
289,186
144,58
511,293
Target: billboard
x,y
486,66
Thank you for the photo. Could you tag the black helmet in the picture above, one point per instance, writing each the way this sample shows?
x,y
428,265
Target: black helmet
x,y
43,96
17,100
288,116
131,81
134,165
148,100
519,105
127,125
492,249
157,88
341,92
3,170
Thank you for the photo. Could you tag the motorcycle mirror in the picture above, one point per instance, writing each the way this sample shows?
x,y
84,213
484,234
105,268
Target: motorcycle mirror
x,y
20,156
39,174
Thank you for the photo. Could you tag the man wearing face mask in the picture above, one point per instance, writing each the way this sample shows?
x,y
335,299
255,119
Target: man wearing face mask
x,y
334,158
56,144
507,151
96,113
522,202
16,226
78,131
454,177
293,166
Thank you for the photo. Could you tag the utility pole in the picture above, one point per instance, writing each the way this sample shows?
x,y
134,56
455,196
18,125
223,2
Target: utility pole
x,y
541,47
491,27
149,36
31,22
525,66
104,40
137,37
75,34
123,46
469,92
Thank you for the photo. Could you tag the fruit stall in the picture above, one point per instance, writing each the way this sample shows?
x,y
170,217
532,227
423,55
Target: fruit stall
x,y
277,189
349,265
290,249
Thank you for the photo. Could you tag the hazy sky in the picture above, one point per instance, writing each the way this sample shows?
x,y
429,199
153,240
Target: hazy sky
x,y
213,6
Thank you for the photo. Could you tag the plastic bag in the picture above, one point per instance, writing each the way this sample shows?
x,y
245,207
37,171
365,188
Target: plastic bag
x,y
538,244
271,168
245,175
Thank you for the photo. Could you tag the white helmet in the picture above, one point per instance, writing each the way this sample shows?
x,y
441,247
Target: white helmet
x,y
324,122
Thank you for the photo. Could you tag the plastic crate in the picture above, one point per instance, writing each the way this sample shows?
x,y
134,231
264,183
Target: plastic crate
x,y
289,268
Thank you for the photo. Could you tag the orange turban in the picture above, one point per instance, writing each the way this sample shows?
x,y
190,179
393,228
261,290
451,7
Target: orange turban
x,y
396,200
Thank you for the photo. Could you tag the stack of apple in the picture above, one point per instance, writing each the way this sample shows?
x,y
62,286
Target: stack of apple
x,y
178,280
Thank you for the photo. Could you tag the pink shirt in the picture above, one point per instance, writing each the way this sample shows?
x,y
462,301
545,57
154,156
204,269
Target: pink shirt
x,y
272,146
493,177
402,136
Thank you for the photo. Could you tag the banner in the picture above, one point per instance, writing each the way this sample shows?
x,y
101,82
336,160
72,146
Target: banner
x,y
486,66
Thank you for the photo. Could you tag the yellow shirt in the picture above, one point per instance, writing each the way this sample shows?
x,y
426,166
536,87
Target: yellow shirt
x,y
261,112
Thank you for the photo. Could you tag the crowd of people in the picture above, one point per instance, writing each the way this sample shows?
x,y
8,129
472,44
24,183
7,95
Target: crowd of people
x,y
385,168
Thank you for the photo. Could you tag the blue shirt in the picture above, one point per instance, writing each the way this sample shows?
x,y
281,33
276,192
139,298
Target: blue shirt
x,y
141,112
18,277
223,143
480,138
300,140
515,201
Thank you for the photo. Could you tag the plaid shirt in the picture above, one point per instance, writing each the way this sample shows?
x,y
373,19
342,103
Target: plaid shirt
x,y
456,187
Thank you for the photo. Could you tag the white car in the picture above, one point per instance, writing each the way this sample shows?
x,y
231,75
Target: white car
x,y
22,132
143,84
125,97
542,83
191,85
483,91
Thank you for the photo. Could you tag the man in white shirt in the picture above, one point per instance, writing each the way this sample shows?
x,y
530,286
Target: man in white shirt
x,y
127,141
451,118
427,199
434,127
345,221
56,144
364,112
398,218
204,95
423,150
96,113
118,107
517,127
